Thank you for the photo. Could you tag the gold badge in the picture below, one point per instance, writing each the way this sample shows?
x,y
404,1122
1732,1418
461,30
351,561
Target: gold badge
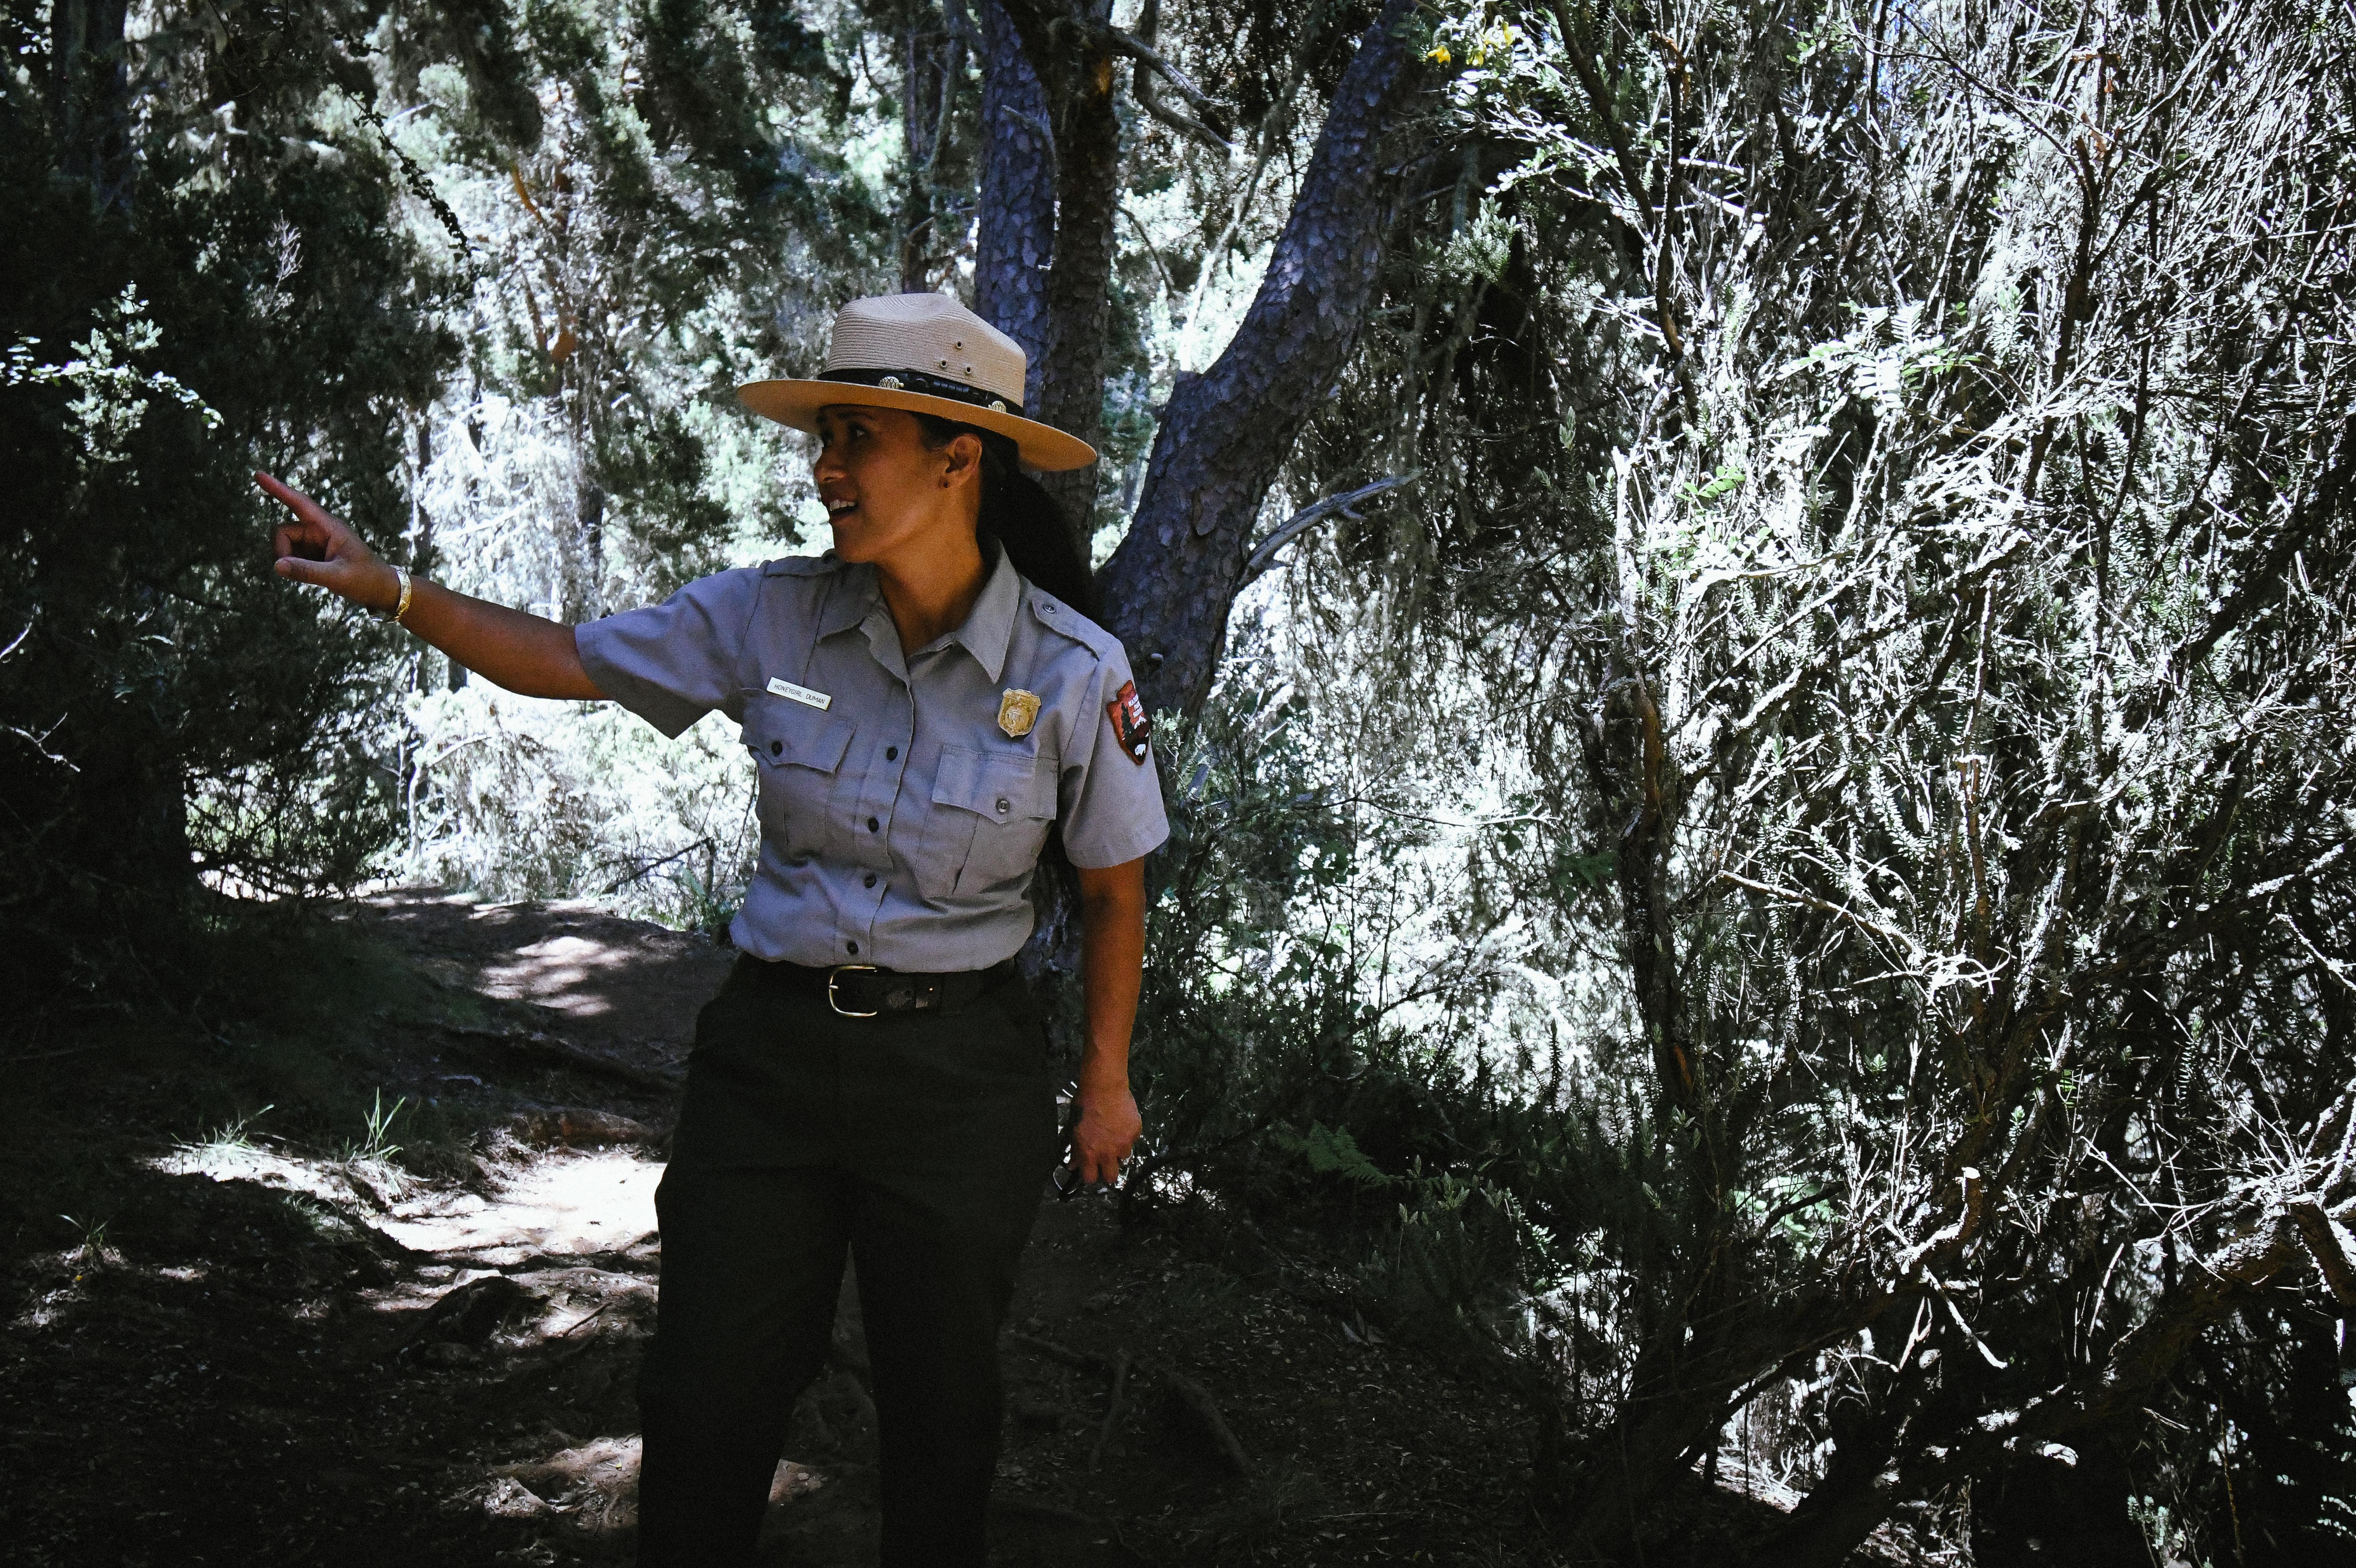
x,y
1017,711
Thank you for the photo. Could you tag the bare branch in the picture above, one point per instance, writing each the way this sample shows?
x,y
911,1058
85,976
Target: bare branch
x,y
1264,556
1146,56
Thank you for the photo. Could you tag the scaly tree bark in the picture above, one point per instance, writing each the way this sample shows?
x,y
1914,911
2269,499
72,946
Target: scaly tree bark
x,y
1067,47
1226,433
1017,235
1042,274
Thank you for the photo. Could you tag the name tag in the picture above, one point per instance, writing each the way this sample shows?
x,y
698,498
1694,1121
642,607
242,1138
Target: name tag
x,y
817,699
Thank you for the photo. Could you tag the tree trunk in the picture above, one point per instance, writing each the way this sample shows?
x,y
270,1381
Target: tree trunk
x,y
1075,69
1016,238
585,594
420,549
1858,1490
932,65
1226,433
1042,274
1019,253
89,98
1080,279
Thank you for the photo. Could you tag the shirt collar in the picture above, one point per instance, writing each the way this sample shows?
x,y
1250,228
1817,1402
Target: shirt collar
x,y
988,626
848,600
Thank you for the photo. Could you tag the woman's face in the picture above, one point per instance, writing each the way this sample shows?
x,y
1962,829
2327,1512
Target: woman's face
x,y
884,487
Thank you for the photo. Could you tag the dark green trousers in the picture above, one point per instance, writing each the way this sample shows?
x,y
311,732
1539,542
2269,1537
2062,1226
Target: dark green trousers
x,y
918,1144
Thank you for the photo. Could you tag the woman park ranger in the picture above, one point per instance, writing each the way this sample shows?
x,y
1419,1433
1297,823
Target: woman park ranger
x,y
927,704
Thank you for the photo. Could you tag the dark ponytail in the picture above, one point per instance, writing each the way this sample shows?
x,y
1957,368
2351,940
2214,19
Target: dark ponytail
x,y
1023,518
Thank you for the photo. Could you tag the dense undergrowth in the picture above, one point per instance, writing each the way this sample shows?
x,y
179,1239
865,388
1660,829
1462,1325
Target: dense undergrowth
x,y
1786,892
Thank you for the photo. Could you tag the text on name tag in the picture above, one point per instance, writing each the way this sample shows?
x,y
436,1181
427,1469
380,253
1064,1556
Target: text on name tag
x,y
800,693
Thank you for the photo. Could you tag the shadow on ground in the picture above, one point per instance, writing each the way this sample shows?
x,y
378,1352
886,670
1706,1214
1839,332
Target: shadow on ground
x,y
227,1345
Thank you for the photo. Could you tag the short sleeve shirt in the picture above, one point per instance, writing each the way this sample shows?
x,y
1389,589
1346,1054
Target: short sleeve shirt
x,y
903,799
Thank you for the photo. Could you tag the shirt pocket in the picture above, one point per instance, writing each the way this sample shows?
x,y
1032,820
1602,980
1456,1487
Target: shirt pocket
x,y
990,814
800,751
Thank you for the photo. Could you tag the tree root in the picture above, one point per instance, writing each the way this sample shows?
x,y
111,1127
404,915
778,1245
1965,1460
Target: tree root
x,y
542,1046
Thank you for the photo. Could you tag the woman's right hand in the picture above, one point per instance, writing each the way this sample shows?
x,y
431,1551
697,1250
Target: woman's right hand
x,y
318,547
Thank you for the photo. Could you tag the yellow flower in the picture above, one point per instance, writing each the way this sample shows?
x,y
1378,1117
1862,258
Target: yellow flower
x,y
1439,55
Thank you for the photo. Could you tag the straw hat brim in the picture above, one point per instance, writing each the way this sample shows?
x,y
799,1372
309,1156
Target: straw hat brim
x,y
795,404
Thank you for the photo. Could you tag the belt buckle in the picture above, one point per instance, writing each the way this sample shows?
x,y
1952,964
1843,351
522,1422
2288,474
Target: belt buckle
x,y
835,975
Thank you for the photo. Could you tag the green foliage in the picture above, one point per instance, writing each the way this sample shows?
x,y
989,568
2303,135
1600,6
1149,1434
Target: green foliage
x,y
702,193
109,401
1330,1151
206,269
1307,1052
1903,667
236,252
1851,706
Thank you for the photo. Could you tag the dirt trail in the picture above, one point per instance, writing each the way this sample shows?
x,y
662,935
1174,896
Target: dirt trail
x,y
268,1355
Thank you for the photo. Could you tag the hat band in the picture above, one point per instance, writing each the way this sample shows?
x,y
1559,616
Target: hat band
x,y
930,385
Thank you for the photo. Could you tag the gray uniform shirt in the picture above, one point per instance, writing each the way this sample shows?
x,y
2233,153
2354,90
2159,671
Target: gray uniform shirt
x,y
900,821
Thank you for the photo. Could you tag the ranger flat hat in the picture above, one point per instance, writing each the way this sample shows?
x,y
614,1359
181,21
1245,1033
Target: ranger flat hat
x,y
929,355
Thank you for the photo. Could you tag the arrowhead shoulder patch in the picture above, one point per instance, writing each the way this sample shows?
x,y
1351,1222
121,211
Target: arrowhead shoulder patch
x,y
1130,727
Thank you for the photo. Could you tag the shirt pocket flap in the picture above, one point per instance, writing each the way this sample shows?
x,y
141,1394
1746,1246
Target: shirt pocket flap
x,y
780,731
995,785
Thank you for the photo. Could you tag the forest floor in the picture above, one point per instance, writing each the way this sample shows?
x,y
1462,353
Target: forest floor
x,y
235,1336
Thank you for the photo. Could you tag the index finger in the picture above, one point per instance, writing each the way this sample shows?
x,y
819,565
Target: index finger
x,y
285,495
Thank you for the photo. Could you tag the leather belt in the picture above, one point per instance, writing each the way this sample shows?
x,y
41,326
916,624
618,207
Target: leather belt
x,y
866,990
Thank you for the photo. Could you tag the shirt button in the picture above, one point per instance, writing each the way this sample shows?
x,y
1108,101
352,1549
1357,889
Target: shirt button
x,y
852,945
870,878
1002,805
873,826
891,753
776,748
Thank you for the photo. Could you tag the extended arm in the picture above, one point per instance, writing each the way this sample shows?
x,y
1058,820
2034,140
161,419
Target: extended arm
x,y
529,654
1112,965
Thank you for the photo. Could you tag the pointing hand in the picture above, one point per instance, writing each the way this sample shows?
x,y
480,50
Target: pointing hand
x,y
318,547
